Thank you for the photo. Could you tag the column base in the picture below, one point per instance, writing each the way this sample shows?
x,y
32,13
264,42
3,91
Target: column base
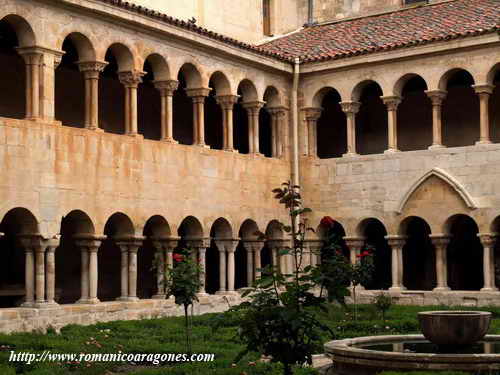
x,y
202,145
122,298
350,155
441,289
170,140
132,299
479,143
202,294
257,154
95,129
391,151
227,293
159,296
233,150
489,289
436,147
397,289
135,135
45,305
28,304
93,301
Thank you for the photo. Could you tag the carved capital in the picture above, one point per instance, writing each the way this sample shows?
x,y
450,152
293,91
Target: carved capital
x,y
350,107
131,79
31,242
253,108
312,113
88,242
165,243
277,111
396,241
227,101
355,243
129,243
314,245
198,243
91,69
31,55
391,102
487,239
484,89
198,94
167,88
436,96
440,240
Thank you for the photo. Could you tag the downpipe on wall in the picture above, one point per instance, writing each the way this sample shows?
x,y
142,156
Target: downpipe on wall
x,y
295,124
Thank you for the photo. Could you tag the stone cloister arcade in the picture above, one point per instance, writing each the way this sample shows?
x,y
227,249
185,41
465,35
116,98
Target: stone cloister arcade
x,y
114,90
452,110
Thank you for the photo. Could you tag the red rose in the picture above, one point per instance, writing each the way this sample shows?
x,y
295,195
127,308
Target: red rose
x,y
327,221
178,257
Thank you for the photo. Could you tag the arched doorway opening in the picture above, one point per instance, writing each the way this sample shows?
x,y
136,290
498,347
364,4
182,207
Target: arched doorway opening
x,y
331,125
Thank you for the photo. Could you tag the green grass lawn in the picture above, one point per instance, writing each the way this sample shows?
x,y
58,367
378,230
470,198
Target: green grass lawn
x,y
167,336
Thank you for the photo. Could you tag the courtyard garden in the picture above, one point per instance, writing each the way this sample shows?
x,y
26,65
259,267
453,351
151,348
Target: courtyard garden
x,y
210,334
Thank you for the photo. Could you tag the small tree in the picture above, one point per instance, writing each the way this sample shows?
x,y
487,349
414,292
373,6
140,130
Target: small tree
x,y
383,303
182,281
361,274
277,320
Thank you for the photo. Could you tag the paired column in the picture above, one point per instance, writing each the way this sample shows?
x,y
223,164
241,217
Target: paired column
x,y
129,247
164,257
312,115
484,92
277,126
199,246
50,269
253,249
91,71
89,245
198,96
392,103
440,242
283,263
130,80
253,110
355,244
227,248
350,109
227,104
32,58
167,89
396,243
437,97
488,241
314,252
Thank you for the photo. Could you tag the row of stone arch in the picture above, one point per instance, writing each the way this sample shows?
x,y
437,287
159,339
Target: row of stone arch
x,y
116,90
460,257
117,264
461,111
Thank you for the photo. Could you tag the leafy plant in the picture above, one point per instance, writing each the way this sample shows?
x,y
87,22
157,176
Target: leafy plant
x,y
279,320
383,303
182,281
361,274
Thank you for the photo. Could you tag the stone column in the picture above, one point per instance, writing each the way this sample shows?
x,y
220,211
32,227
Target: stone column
x,y
312,115
132,269
277,126
392,103
198,96
488,241
315,250
29,279
253,110
440,242
396,243
231,248
273,246
221,246
200,247
50,269
123,271
39,273
32,58
437,97
257,246
355,244
226,103
89,245
91,71
34,276
167,89
484,92
350,109
50,60
130,80
250,262
160,269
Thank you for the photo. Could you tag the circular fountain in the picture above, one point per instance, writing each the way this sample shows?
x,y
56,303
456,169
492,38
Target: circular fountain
x,y
452,340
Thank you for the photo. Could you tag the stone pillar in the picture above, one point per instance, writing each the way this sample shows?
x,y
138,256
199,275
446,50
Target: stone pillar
x,y
314,251
250,262
440,242
89,245
226,103
222,266
50,269
32,58
198,96
167,89
256,246
437,97
277,126
130,80
132,269
123,271
392,103
396,243
50,60
39,273
231,248
488,241
350,109
160,269
34,276
253,110
484,92
29,279
91,71
311,116
355,244
200,247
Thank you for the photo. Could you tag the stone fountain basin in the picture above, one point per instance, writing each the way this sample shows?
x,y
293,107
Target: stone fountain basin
x,y
349,359
454,328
